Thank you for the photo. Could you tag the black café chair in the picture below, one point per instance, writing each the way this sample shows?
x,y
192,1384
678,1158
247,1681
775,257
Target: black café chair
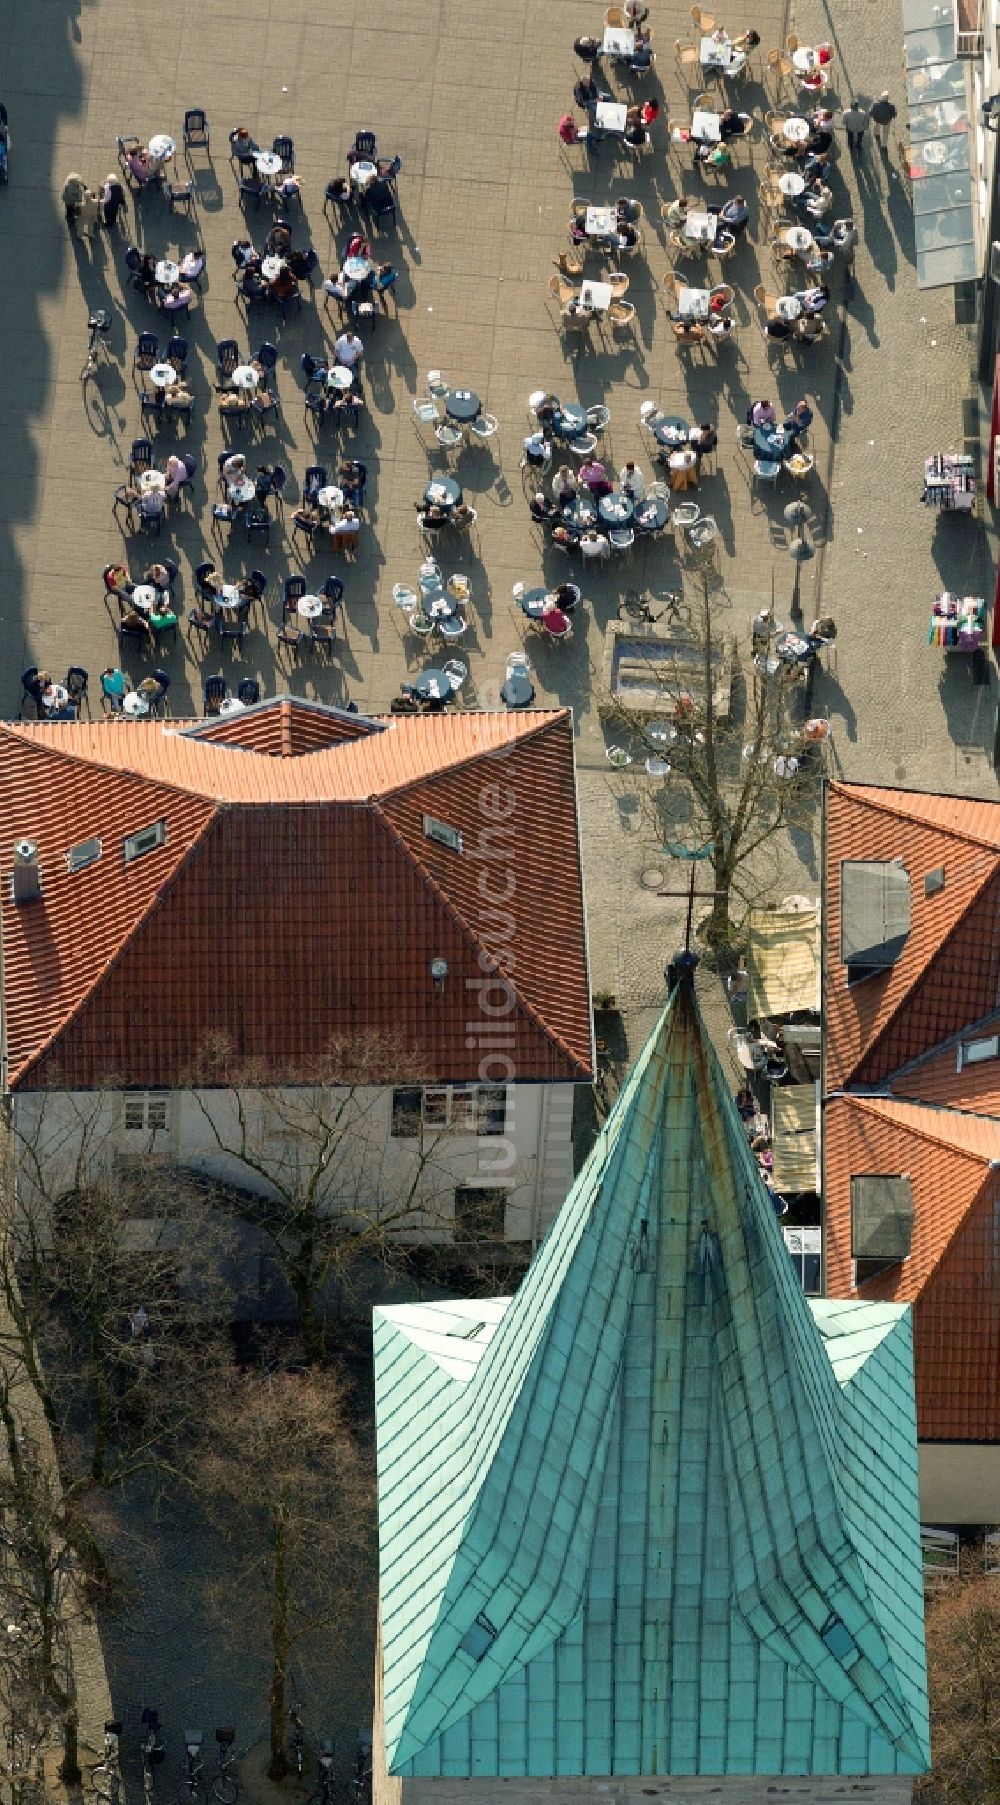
x,y
32,691
216,689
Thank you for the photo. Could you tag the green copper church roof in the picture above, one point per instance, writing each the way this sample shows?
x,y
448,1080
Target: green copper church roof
x,y
656,1514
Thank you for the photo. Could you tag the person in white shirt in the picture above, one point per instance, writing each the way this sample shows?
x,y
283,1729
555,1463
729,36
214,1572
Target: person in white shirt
x,y
564,484
234,468
631,481
192,263
348,349
176,472
594,545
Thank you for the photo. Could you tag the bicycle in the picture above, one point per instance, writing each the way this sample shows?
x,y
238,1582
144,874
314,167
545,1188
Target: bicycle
x,y
633,606
324,1787
298,1749
225,1786
98,325
151,1750
109,1768
361,1780
192,1786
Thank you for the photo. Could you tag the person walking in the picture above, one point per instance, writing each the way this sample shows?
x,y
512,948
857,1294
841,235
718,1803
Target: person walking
x,y
113,201
882,115
855,119
74,190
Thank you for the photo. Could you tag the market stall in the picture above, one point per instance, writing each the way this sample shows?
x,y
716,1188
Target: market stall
x,y
958,622
949,482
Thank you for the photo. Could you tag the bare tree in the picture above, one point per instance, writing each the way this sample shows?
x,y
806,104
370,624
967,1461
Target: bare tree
x,y
963,1670
725,725
329,1189
289,1482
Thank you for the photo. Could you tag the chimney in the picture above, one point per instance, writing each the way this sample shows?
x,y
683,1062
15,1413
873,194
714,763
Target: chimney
x,y
26,880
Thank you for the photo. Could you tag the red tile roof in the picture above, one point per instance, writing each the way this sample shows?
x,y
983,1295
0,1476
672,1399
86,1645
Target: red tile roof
x,y
949,972
297,899
899,1031
952,1276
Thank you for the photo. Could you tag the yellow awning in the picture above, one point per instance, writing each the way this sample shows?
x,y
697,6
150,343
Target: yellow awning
x,y
782,961
794,1137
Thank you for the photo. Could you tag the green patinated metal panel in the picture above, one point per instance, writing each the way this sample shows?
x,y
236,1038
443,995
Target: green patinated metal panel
x,y
677,1499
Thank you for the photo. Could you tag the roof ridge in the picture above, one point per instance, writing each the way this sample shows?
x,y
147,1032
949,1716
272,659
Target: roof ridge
x,y
79,758
553,717
876,1105
446,901
154,902
851,793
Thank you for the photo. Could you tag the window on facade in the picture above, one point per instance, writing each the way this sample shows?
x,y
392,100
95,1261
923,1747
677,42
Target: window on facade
x,y
480,1213
450,1108
147,1112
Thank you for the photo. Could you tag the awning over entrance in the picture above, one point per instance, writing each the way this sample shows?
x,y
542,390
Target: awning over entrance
x,y
795,1137
940,145
782,961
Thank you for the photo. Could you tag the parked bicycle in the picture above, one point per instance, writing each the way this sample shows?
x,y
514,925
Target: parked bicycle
x,y
362,1777
151,1749
297,1752
108,1775
192,1786
225,1786
324,1780
98,325
633,606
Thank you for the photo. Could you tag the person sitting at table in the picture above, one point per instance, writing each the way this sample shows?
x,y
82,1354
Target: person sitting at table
x,y
703,441
813,300
176,297
251,181
145,276
824,630
747,41
251,285
576,311
631,481
176,472
636,135
809,328
541,508
649,112
634,12
113,687
814,163
430,516
594,544
243,253
132,621
820,140
624,239
141,165
733,214
566,536
462,515
719,325
642,56
596,478
117,580
554,620
816,198
284,285
158,575
349,350
678,211
308,516
707,152
567,595
729,123
161,615
586,92
564,485
345,401
799,420
348,526
192,263
775,327
568,130
178,395
587,49
821,120
685,331
289,188
234,467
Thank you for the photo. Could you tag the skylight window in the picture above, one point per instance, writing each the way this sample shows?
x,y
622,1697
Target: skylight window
x,y
974,1052
86,852
442,833
146,840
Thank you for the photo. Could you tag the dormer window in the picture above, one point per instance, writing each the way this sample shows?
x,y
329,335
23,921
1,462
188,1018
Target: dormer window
x,y
874,915
881,1222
